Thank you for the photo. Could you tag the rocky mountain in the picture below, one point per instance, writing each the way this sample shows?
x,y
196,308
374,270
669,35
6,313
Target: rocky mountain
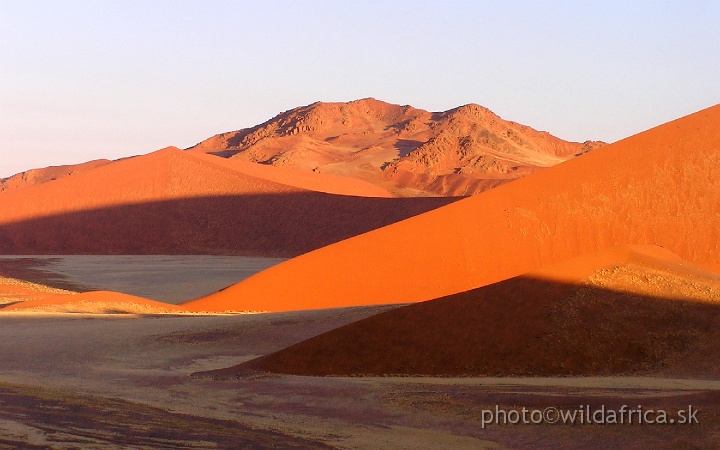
x,y
408,151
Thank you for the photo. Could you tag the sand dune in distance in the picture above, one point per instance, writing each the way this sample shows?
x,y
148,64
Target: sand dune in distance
x,y
660,187
39,176
23,296
96,302
629,310
318,182
13,290
176,202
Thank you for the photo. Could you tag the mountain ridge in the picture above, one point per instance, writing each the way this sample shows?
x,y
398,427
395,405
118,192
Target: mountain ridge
x,y
406,150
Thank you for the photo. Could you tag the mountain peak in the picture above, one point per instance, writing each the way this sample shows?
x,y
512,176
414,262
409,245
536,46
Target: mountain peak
x,y
408,151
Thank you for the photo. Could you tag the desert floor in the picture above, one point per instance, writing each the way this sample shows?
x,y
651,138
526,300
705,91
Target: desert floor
x,y
167,278
70,380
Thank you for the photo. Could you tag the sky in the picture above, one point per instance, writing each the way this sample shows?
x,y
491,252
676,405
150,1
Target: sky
x,y
84,80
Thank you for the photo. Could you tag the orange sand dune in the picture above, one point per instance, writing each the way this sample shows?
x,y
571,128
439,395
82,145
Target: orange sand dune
x,y
408,151
318,182
631,310
39,176
660,187
94,302
175,202
13,290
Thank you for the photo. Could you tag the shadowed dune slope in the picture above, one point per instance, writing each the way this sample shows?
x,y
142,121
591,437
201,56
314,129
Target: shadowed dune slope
x,y
632,310
660,187
175,202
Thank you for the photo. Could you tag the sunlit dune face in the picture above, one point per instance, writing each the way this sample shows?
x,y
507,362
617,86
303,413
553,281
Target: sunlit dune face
x,y
661,187
96,302
166,174
637,310
13,291
175,202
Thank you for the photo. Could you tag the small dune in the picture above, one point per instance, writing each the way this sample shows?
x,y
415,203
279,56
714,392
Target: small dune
x,y
13,290
95,302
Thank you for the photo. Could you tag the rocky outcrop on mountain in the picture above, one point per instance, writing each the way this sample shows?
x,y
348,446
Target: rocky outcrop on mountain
x,y
408,151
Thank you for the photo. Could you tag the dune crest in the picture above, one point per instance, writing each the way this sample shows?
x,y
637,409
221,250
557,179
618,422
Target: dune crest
x,y
176,202
660,187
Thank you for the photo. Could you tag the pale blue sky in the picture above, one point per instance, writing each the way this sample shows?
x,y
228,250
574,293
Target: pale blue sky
x,y
82,80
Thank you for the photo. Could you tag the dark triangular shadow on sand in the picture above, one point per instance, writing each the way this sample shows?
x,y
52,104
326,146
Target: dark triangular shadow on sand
x,y
518,327
281,225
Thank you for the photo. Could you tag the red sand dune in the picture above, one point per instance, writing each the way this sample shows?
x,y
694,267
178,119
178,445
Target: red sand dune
x,y
39,176
318,182
632,310
406,150
12,290
175,202
660,187
94,302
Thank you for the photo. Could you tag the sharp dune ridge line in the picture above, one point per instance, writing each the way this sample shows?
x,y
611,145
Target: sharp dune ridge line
x,y
405,150
592,280
634,310
164,174
660,187
210,200
652,188
176,202
146,164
